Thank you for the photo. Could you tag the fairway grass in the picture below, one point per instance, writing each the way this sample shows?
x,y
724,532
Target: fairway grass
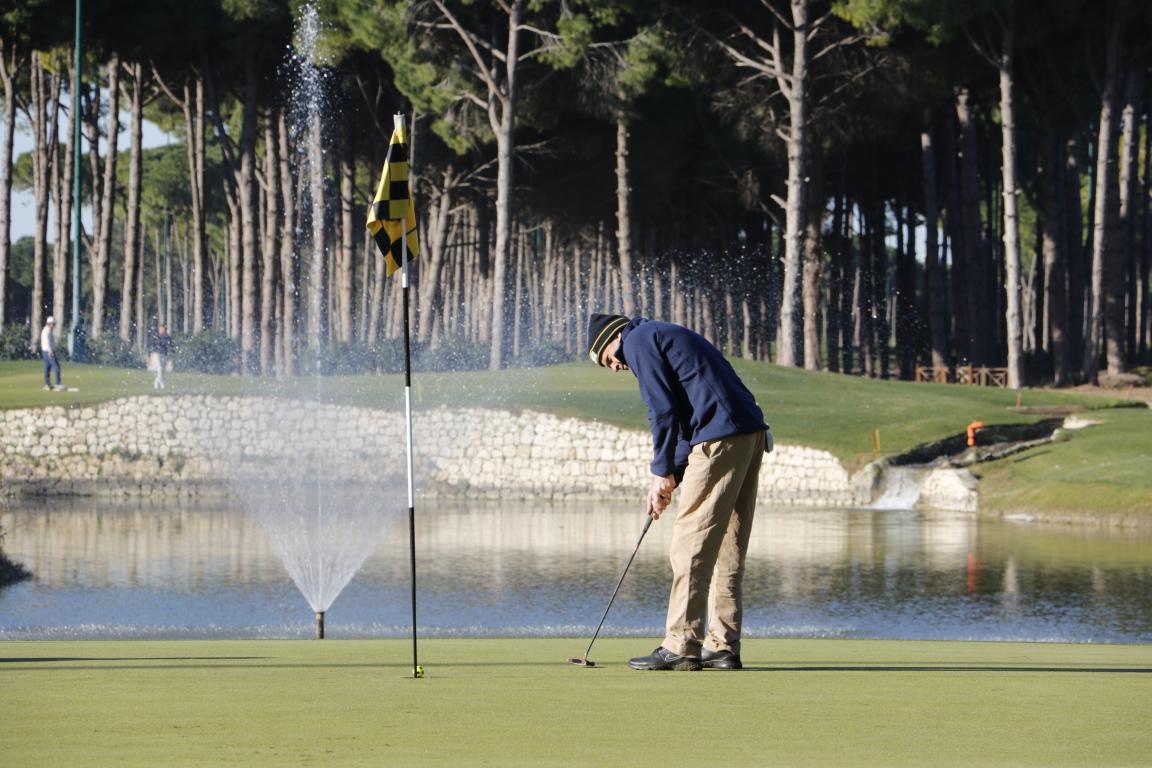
x,y
513,702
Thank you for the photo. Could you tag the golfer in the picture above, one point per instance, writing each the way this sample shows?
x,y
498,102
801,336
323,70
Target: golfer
x,y
48,353
709,437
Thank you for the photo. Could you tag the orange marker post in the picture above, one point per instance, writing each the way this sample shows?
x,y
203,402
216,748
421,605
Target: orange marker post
x,y
972,432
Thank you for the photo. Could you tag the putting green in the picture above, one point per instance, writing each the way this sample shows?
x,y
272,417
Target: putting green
x,y
511,702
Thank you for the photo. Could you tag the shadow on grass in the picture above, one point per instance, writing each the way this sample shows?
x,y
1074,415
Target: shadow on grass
x,y
948,668
206,662
50,659
64,663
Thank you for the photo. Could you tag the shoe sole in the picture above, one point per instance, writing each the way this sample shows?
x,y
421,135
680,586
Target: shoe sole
x,y
722,665
680,666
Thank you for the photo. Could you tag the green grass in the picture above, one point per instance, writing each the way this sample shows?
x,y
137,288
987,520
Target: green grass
x,y
1102,467
516,703
1096,469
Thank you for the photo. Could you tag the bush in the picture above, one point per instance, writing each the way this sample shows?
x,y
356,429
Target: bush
x,y
205,352
112,351
10,572
14,344
453,354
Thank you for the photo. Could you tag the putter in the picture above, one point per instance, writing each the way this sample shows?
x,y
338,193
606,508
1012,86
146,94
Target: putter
x,y
584,661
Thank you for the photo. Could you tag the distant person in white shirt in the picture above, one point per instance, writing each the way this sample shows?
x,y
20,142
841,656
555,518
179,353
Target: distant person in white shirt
x,y
48,352
161,348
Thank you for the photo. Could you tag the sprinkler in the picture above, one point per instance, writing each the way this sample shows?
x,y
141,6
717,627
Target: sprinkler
x,y
319,625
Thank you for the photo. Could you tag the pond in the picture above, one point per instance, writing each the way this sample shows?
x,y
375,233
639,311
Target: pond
x,y
153,569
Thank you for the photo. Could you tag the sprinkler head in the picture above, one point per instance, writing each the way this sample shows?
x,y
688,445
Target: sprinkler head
x,y
581,661
319,625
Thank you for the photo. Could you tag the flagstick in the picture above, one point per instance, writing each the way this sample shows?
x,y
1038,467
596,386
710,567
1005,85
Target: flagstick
x,y
399,120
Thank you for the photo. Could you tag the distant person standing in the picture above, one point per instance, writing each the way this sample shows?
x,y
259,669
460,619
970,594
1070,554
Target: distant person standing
x,y
161,347
48,353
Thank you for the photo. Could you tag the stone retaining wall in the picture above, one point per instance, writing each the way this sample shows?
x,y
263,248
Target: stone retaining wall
x,y
197,445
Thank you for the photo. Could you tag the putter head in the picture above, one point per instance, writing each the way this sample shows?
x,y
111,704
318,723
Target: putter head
x,y
581,661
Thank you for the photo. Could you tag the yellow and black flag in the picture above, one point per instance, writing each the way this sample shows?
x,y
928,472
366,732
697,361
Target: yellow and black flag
x,y
392,209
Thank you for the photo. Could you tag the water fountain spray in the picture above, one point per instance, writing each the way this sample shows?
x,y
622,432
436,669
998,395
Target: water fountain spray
x,y
317,500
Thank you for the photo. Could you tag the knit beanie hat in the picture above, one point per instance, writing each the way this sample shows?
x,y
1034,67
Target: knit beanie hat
x,y
601,329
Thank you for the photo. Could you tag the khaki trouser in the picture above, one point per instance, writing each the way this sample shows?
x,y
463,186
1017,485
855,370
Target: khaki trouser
x,y
710,542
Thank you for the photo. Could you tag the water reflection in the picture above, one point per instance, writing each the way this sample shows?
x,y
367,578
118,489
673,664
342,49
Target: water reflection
x,y
166,569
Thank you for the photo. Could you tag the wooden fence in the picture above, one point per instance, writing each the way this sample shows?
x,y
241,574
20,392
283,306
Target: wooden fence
x,y
963,374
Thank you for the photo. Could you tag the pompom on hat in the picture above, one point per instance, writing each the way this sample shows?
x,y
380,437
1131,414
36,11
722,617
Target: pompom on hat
x,y
601,330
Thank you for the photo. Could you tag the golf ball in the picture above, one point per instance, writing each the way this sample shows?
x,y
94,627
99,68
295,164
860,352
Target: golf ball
x,y
419,671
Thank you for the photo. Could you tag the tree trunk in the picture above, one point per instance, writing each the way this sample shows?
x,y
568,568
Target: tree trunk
x,y
908,341
834,326
8,66
955,236
812,270
346,261
624,216
847,286
1011,220
270,251
794,85
92,100
433,255
1121,260
132,219
233,283
518,278
1144,306
40,116
503,120
1037,295
192,105
981,325
1069,191
1105,184
161,235
103,255
861,345
1054,246
878,285
66,162
288,264
316,298
248,220
142,261
934,293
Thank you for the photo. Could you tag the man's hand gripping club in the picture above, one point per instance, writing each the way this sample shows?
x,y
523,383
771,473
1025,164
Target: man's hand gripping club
x,y
660,494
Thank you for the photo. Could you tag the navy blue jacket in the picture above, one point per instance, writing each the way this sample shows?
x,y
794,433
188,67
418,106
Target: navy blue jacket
x,y
691,391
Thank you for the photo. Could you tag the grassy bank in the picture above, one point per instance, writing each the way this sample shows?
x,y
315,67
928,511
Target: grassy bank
x,y
515,702
1097,469
1103,468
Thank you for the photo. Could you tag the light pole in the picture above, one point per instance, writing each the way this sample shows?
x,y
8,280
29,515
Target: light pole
x,y
74,326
